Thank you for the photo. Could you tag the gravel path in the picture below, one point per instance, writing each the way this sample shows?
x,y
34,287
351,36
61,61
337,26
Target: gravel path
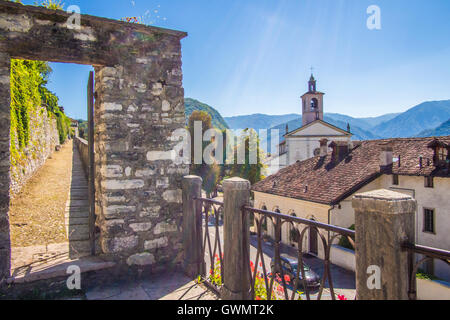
x,y
37,211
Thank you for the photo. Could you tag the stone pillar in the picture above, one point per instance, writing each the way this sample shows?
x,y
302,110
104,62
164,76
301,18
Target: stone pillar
x,y
139,106
5,122
236,284
194,264
383,220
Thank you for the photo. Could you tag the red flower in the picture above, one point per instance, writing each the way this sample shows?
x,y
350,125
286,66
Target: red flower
x,y
342,297
287,278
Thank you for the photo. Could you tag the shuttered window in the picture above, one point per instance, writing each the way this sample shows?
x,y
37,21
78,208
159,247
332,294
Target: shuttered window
x,y
429,182
395,179
428,220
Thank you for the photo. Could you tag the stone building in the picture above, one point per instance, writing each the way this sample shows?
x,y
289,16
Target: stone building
x,y
321,188
305,142
139,103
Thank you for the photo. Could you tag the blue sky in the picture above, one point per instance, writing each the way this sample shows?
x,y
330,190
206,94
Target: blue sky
x,y
254,56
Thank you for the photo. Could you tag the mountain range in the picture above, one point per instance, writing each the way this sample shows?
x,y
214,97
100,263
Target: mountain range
x,y
442,130
426,119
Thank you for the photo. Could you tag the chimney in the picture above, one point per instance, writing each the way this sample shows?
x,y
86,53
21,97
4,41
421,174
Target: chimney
x,y
386,156
340,150
323,148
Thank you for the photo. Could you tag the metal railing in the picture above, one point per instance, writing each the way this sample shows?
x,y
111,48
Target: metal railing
x,y
212,218
266,282
253,268
429,254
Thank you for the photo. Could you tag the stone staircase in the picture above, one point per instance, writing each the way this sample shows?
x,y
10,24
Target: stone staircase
x,y
77,210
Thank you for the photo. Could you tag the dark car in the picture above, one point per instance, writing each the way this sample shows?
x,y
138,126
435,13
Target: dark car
x,y
290,267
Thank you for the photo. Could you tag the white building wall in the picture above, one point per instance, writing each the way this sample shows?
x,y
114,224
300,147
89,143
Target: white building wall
x,y
302,148
437,198
302,209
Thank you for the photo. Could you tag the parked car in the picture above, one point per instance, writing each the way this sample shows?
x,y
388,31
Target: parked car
x,y
290,267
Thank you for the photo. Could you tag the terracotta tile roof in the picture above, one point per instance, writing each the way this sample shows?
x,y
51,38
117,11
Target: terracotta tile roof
x,y
324,181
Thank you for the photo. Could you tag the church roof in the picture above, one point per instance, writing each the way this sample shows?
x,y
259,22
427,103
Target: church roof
x,y
315,122
313,92
328,181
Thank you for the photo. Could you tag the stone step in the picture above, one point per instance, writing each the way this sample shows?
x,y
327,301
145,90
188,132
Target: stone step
x,y
77,213
45,271
79,192
76,208
76,221
82,186
78,249
77,232
78,197
79,203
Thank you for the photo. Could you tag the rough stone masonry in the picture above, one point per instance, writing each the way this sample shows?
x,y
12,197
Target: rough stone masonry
x,y
139,102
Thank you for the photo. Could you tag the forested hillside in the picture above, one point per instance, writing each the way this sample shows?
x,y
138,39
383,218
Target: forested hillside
x,y
216,119
442,130
425,116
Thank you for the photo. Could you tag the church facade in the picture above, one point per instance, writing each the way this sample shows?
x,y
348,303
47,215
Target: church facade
x,y
312,138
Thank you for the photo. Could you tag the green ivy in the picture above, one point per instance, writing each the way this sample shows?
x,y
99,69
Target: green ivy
x,y
28,92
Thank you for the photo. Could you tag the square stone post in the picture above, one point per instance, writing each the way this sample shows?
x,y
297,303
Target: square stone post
x,y
384,220
5,123
193,263
236,282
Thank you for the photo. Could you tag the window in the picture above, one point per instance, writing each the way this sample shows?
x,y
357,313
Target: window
x,y
428,220
442,154
429,182
314,104
395,180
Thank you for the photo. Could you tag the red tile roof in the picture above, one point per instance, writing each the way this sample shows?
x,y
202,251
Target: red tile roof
x,y
324,181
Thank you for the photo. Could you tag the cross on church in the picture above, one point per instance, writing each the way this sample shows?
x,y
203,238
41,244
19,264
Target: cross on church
x,y
312,70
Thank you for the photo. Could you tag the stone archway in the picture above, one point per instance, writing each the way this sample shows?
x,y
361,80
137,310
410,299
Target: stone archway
x,y
139,103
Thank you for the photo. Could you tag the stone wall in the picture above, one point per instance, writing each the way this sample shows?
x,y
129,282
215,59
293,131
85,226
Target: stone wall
x,y
5,121
138,190
139,102
83,149
43,140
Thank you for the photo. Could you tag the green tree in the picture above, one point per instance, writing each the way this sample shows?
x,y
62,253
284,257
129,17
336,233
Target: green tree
x,y
253,172
210,173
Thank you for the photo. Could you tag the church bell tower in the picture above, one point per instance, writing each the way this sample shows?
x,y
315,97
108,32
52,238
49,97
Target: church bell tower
x,y
312,103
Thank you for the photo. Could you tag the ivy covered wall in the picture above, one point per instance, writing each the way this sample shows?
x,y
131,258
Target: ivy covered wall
x,y
37,122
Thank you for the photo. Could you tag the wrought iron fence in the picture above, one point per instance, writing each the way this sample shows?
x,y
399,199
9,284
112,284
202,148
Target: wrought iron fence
x,y
278,283
212,218
429,254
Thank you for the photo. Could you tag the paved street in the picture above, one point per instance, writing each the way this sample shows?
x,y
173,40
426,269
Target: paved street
x,y
343,280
